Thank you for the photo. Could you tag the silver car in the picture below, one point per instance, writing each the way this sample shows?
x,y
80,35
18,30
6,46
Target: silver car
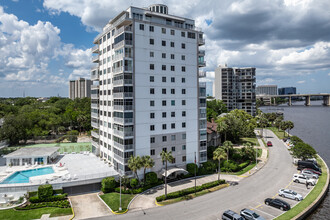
x,y
250,215
309,174
288,193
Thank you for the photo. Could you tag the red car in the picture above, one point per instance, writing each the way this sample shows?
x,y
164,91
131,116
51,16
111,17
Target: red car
x,y
269,144
313,171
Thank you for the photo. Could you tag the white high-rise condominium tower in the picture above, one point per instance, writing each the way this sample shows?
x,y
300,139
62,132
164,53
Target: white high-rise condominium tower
x,y
80,88
146,96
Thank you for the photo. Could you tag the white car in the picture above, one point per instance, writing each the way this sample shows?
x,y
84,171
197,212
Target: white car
x,y
309,174
288,193
299,178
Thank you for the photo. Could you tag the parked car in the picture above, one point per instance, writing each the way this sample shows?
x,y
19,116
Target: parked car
x,y
313,171
250,215
288,193
313,160
308,164
269,144
299,178
309,174
278,203
231,215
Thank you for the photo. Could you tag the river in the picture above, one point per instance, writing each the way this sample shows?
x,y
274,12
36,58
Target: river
x,y
312,125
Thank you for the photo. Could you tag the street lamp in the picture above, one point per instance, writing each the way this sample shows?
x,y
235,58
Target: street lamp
x,y
120,190
256,158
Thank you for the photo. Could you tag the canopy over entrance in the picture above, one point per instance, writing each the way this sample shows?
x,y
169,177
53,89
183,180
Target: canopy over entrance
x,y
173,170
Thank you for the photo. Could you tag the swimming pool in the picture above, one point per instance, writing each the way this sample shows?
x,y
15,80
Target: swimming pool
x,y
23,176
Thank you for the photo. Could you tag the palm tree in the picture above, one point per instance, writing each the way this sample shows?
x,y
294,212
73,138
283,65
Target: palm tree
x,y
263,122
219,154
147,162
166,156
135,163
227,145
290,125
222,128
278,121
248,150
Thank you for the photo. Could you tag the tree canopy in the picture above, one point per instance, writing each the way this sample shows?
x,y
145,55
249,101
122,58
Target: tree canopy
x,y
303,151
215,108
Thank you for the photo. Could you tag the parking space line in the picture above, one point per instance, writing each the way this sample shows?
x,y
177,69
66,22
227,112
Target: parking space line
x,y
266,213
299,187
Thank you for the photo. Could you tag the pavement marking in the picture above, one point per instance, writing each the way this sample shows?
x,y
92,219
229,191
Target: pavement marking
x,y
267,213
299,187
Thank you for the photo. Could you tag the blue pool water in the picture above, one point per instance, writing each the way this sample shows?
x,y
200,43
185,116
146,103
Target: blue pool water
x,y
23,176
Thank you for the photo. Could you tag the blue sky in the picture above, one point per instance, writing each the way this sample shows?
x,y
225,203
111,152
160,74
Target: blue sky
x,y
46,43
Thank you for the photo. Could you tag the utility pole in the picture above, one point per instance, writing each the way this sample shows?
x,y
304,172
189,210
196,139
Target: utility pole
x,y
119,192
195,173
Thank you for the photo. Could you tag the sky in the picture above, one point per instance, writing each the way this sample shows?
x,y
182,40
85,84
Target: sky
x,y
46,43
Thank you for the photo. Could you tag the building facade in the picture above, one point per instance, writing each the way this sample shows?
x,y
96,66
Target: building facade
x,y
287,91
80,88
146,96
267,90
236,87
213,136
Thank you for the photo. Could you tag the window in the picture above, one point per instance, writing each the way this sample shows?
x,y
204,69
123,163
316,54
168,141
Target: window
x,y
152,127
183,69
142,27
152,152
183,124
151,28
151,41
172,79
173,148
183,46
172,91
164,55
152,91
183,91
172,114
183,34
183,158
172,56
152,66
164,138
172,44
163,67
183,80
172,102
152,115
151,54
183,57
164,103
191,35
172,32
163,30
164,79
152,103
172,68
183,136
163,43
152,140
164,126
173,161
108,35
173,137
165,149
173,125
164,114
183,102
163,91
152,79
183,113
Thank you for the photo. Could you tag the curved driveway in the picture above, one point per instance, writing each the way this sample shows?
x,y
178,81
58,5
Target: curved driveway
x,y
249,193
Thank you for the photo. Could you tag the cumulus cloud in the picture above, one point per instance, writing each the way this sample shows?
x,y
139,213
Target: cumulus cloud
x,y
301,81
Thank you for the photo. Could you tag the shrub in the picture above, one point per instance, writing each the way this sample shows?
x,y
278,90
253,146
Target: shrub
x,y
151,178
295,140
134,183
108,184
35,199
230,166
73,132
59,204
209,166
32,194
57,191
45,191
191,168
243,165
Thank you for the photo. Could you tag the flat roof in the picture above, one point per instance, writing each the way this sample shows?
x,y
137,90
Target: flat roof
x,y
32,152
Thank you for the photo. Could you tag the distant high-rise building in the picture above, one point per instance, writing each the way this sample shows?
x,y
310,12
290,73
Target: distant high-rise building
x,y
236,87
80,88
147,97
267,90
287,91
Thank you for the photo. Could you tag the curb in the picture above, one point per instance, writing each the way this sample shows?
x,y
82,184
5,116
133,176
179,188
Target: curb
x,y
73,215
116,213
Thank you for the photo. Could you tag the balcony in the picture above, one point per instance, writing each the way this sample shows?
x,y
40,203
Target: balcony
x,y
202,105
123,120
123,95
95,59
119,159
201,63
95,76
95,96
94,143
203,159
118,70
202,84
201,74
123,134
128,68
95,87
202,148
122,29
95,115
201,41
122,82
201,53
123,107
95,106
95,125
95,49
123,43
95,134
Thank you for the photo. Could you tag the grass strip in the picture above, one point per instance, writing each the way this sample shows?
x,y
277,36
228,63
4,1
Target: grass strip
x,y
12,214
312,196
112,200
253,141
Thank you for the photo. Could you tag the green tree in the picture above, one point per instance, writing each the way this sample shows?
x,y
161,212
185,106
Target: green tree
x,y
228,146
135,163
263,123
222,128
14,129
214,108
147,163
166,157
303,151
219,154
278,122
290,126
295,140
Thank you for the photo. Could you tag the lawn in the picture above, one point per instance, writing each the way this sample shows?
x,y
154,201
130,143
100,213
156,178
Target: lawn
x,y
253,141
246,169
9,214
278,133
310,198
112,200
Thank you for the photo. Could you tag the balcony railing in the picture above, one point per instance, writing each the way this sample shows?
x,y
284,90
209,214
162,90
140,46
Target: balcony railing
x,y
202,84
123,134
201,41
123,120
201,52
202,115
95,96
94,115
96,106
95,49
118,69
94,87
95,134
96,144
123,107
95,124
95,59
119,159
202,105
123,95
203,159
202,74
128,68
201,63
122,82
202,148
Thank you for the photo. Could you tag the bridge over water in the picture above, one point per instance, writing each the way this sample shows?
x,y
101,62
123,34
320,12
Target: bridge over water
x,y
271,98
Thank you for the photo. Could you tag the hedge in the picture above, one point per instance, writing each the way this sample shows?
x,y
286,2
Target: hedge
x,y
151,178
191,168
190,190
35,199
55,192
243,165
108,184
134,183
45,191
138,190
59,204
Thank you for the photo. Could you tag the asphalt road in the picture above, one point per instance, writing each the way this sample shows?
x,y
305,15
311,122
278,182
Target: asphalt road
x,y
249,193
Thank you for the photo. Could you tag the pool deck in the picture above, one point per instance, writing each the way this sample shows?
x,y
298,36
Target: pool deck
x,y
77,169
